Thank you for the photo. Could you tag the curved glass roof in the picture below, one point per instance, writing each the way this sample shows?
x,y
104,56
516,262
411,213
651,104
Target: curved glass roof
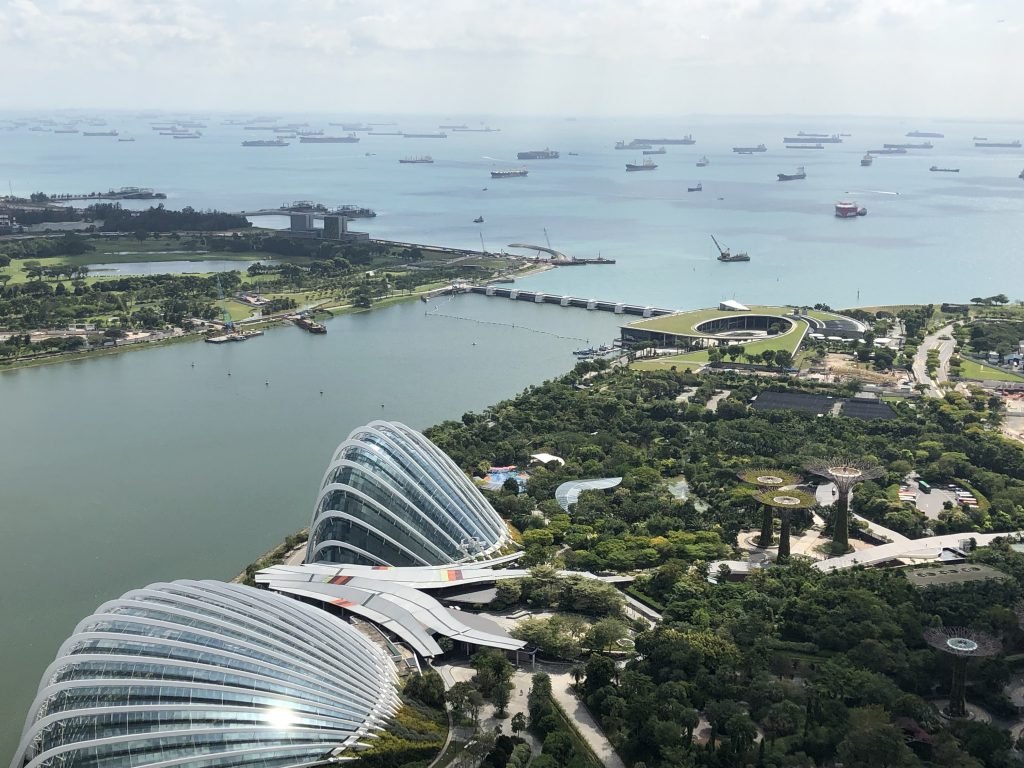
x,y
392,497
201,674
568,493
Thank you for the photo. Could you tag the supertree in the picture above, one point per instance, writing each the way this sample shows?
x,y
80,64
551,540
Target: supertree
x,y
845,473
785,501
767,479
962,643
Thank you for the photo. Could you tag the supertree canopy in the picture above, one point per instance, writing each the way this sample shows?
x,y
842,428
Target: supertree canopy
x,y
765,478
845,473
962,643
785,501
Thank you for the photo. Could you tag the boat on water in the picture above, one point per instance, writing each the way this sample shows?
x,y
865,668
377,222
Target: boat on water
x,y
750,150
993,144
484,129
703,162
687,140
805,146
478,220
646,165
265,143
309,324
658,151
925,135
441,135
65,130
890,151
698,188
922,145
195,135
384,133
868,159
800,174
725,255
1021,175
835,138
538,154
936,169
114,133
573,154
453,127
510,173
422,159
320,139
848,210
634,144
232,336
807,135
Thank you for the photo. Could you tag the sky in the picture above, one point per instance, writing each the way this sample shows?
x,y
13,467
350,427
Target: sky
x,y
934,58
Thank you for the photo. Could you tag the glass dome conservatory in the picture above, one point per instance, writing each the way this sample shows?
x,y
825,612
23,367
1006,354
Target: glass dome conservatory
x,y
200,674
392,497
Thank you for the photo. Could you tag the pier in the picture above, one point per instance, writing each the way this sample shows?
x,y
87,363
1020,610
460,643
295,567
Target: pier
x,y
125,193
538,297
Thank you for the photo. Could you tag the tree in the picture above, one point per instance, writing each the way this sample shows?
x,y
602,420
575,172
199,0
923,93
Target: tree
x,y
502,696
427,687
873,742
518,723
783,358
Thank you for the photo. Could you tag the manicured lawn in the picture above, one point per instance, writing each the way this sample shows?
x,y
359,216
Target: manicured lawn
x,y
969,369
787,342
236,310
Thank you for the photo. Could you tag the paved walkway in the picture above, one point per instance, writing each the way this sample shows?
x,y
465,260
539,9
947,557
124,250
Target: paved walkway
x,y
585,724
920,366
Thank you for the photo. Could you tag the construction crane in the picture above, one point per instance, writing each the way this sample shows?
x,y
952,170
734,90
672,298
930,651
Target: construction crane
x,y
725,255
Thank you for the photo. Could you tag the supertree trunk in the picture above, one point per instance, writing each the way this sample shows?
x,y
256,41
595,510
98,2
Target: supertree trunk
x,y
783,556
958,693
841,527
767,526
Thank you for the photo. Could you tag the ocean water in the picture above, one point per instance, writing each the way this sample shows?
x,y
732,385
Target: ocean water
x,y
927,236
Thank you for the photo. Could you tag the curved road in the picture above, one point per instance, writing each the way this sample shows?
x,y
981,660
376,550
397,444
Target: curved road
x,y
945,347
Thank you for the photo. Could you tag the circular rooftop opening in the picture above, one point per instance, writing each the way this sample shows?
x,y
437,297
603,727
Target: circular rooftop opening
x,y
744,326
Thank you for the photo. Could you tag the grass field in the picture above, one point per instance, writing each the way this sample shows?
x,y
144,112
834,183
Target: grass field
x,y
969,369
787,342
684,322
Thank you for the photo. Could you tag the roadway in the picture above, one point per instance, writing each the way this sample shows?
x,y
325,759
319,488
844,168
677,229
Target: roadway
x,y
920,366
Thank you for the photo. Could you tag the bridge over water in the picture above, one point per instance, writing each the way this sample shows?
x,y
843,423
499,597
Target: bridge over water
x,y
538,297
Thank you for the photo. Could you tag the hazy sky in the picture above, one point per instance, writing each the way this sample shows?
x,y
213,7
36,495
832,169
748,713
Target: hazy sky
x,y
953,58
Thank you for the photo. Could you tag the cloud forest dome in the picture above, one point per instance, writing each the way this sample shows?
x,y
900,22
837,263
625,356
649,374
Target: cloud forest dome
x,y
201,674
392,497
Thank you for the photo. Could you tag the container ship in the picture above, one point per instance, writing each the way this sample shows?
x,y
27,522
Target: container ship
x,y
417,160
922,145
538,154
509,174
848,210
265,143
925,135
646,165
936,169
835,138
800,174
750,150
996,144
313,139
441,135
687,139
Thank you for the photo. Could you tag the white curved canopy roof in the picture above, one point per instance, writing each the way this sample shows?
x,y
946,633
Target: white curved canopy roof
x,y
568,493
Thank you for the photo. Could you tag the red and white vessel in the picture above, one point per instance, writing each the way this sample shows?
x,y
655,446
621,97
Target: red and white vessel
x,y
847,210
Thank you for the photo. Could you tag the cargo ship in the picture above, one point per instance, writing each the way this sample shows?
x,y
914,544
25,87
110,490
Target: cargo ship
x,y
936,169
868,159
634,144
848,210
384,133
114,133
188,135
990,144
658,151
703,162
646,165
925,135
485,129
802,139
314,139
417,160
687,139
441,135
750,150
538,154
724,254
805,146
800,174
459,127
890,151
308,324
265,143
922,145
807,135
698,188
509,174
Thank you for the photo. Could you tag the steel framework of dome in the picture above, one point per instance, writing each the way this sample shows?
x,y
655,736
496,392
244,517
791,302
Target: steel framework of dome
x,y
962,643
201,674
845,473
392,497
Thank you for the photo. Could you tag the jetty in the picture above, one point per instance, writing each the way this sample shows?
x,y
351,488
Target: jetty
x,y
558,258
538,297
124,193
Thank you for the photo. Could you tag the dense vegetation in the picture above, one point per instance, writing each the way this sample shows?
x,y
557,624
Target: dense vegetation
x,y
160,219
793,667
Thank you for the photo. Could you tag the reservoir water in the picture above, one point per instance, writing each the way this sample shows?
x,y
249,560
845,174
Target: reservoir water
x,y
135,468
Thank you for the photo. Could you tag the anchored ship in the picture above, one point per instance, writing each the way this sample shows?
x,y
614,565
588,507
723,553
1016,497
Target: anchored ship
x,y
538,154
509,174
899,151
848,210
923,145
724,254
114,133
802,139
265,143
749,150
658,151
314,139
1000,144
441,135
698,188
805,146
634,144
800,174
703,162
925,135
868,159
417,160
936,169
646,165
687,139
308,324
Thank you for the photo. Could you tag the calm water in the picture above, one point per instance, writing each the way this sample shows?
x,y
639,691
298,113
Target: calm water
x,y
125,470
130,469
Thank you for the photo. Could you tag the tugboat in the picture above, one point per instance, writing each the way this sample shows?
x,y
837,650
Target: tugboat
x,y
724,254
698,188
703,162
936,169
868,159
848,210
646,165
800,174
478,220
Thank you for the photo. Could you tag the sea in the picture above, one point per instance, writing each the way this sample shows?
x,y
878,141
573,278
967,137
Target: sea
x,y
190,460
